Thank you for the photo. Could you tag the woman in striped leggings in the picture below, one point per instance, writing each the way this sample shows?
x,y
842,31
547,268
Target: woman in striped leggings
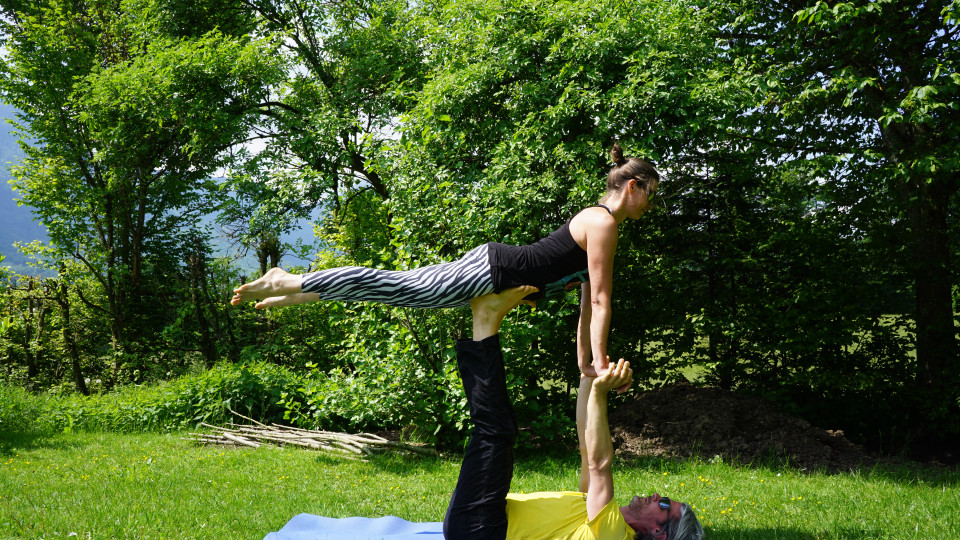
x,y
578,253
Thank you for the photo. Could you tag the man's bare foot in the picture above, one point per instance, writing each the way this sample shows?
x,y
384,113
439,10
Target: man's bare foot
x,y
288,300
490,309
276,282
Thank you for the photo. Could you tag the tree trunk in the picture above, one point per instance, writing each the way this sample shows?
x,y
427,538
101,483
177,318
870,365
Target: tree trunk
x,y
69,338
936,333
28,337
197,275
268,252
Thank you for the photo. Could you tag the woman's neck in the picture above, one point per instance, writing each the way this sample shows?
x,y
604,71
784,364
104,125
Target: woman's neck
x,y
613,202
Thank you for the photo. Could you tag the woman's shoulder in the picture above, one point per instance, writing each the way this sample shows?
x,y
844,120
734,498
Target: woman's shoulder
x,y
591,221
594,216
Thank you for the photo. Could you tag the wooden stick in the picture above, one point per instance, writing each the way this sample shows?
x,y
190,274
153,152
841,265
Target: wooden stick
x,y
346,444
241,440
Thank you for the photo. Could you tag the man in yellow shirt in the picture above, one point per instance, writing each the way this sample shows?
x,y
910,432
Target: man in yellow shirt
x,y
481,508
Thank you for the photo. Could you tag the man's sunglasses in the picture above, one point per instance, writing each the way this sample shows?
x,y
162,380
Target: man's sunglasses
x,y
665,503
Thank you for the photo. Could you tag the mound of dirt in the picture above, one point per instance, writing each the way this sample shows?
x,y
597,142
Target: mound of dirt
x,y
684,421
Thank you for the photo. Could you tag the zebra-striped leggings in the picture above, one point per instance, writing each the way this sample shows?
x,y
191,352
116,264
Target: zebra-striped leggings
x,y
451,284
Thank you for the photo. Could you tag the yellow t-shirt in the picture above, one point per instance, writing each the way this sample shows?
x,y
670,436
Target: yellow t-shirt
x,y
562,515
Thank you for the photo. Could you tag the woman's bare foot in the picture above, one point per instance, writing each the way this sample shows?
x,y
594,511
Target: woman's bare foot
x,y
276,282
288,300
490,309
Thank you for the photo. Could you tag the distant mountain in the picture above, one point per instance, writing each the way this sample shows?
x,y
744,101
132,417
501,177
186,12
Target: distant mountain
x,y
16,222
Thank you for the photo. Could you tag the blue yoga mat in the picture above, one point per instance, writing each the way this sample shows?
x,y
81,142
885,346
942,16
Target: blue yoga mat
x,y
310,527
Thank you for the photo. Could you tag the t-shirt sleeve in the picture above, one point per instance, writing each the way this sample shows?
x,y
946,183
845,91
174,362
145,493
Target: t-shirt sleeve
x,y
609,524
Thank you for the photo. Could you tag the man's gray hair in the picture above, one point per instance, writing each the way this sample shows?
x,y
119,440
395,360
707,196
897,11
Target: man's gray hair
x,y
685,528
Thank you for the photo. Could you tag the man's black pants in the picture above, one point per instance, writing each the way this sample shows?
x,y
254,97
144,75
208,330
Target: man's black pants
x,y
478,507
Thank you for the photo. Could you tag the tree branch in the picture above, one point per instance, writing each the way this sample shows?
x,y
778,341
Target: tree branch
x,y
281,105
90,304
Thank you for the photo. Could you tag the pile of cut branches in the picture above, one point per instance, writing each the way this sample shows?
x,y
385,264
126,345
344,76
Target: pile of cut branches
x,y
358,445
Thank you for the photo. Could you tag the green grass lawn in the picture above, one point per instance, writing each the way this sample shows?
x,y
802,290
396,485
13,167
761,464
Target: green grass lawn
x,y
94,485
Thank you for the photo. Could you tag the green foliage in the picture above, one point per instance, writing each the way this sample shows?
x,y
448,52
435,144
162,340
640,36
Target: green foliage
x,y
325,132
508,139
382,395
123,127
801,250
396,370
862,93
25,413
252,390
523,104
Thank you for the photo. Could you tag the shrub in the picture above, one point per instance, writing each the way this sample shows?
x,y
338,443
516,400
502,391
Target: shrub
x,y
252,390
424,404
23,412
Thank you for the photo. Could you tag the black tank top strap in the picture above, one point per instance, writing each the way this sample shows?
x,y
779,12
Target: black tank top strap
x,y
605,207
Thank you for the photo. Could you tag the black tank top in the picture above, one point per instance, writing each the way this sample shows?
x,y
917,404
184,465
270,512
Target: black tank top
x,y
553,264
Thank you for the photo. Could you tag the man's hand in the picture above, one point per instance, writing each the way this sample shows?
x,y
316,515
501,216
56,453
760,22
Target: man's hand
x,y
618,376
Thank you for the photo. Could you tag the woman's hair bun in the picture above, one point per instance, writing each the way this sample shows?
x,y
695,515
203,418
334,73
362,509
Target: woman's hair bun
x,y
616,154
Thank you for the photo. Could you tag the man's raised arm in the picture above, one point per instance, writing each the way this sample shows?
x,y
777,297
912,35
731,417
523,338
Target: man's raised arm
x,y
593,428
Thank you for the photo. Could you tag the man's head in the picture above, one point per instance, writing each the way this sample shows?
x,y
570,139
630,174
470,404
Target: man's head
x,y
659,518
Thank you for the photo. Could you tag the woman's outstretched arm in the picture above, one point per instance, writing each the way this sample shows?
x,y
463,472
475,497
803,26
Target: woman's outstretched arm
x,y
601,247
584,358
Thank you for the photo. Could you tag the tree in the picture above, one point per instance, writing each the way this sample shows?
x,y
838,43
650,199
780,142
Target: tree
x,y
355,66
123,126
863,96
868,92
32,333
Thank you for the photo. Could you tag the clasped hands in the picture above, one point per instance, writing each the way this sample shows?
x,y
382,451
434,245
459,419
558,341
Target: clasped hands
x,y
609,377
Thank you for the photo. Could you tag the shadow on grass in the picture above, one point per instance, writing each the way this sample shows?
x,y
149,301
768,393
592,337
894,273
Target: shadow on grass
x,y
716,533
848,533
392,462
904,471
900,470
12,442
911,471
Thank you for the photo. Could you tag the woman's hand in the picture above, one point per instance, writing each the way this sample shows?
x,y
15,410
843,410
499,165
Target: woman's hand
x,y
598,368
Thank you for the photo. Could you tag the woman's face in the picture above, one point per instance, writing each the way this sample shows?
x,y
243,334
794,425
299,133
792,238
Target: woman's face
x,y
640,198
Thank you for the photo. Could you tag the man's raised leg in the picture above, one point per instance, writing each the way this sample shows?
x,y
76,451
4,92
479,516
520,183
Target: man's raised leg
x,y
478,507
490,309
